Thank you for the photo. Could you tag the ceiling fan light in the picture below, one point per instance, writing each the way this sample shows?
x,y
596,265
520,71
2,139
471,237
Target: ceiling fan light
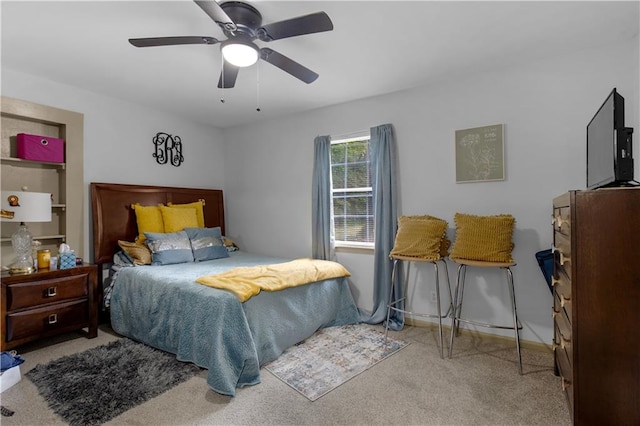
x,y
240,53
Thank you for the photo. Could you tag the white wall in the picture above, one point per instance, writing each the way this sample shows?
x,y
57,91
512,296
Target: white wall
x,y
544,105
118,137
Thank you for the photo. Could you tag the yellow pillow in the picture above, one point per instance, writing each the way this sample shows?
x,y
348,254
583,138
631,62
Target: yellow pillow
x,y
198,206
483,238
420,237
139,253
149,219
176,219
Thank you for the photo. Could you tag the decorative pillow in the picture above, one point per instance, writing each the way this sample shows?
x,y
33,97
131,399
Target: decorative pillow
x,y
149,219
207,243
483,238
445,243
420,237
176,219
139,253
198,206
169,248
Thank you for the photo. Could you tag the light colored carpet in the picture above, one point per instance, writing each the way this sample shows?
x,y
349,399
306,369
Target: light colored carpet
x,y
480,385
331,357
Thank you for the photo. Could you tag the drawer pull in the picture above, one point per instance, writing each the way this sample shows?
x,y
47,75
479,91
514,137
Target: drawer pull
x,y
564,300
563,259
554,281
51,291
565,384
53,318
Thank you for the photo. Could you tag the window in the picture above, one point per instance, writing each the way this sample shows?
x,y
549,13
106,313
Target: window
x,y
351,192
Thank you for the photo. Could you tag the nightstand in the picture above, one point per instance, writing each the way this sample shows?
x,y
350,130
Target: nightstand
x,y
47,303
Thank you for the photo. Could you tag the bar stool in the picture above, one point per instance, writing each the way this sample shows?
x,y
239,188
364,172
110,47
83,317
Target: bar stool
x,y
392,306
459,294
419,239
483,242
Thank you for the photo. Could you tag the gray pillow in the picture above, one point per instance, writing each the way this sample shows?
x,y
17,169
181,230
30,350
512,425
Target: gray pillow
x,y
169,248
207,243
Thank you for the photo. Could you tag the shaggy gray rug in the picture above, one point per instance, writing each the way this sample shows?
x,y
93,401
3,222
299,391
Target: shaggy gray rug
x,y
94,386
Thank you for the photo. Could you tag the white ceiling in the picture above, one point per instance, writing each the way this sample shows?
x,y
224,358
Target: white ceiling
x,y
376,47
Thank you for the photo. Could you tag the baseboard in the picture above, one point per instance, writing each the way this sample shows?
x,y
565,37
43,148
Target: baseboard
x,y
529,344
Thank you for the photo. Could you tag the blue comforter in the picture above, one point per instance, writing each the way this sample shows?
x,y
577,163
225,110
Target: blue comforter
x,y
164,307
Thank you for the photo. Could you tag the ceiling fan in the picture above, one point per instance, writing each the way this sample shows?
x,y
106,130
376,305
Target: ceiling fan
x,y
242,24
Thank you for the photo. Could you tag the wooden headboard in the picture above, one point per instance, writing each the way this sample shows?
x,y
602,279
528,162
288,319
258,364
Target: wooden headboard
x,y
114,219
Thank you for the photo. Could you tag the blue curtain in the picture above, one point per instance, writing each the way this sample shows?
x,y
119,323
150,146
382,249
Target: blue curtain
x,y
322,238
383,165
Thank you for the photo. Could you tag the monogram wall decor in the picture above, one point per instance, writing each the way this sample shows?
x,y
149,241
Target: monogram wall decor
x,y
168,149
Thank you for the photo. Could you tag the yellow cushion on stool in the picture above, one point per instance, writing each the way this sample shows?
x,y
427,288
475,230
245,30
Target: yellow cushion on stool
x,y
420,237
483,238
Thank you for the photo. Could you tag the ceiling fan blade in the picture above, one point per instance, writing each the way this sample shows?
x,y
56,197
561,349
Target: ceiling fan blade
x,y
288,65
230,73
171,41
308,24
216,13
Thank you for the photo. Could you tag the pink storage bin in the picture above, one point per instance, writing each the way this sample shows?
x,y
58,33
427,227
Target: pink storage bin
x,y
40,148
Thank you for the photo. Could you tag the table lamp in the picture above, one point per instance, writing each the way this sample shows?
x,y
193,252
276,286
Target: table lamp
x,y
22,206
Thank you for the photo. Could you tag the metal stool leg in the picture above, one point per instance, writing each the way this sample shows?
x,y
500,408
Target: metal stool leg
x,y
446,271
515,316
457,305
435,267
391,302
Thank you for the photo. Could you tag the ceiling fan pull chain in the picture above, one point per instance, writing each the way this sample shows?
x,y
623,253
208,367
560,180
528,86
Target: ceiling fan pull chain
x,y
258,86
222,78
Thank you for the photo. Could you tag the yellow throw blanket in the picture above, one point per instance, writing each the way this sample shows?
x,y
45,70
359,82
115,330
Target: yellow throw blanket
x,y
247,281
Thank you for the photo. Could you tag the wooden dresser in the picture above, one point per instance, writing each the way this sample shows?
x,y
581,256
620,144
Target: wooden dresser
x,y
47,303
596,308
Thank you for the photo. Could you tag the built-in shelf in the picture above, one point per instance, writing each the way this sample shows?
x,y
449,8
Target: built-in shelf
x,y
37,237
64,181
22,163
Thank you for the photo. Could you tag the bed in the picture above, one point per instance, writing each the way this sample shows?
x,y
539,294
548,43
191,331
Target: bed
x,y
164,307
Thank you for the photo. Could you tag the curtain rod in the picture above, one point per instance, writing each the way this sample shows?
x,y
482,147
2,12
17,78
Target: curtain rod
x,y
351,135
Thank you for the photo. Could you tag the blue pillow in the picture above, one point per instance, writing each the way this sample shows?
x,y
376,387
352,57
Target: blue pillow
x,y
169,248
207,243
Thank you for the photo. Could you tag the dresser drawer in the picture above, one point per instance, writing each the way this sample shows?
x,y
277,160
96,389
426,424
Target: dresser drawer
x,y
566,376
562,292
562,220
47,319
35,293
563,330
562,244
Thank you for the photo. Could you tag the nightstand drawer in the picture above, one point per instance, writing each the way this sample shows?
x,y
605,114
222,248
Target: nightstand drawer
x,y
47,319
35,293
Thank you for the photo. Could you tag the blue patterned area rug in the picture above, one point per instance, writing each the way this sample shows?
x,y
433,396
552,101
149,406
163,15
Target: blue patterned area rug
x,y
332,356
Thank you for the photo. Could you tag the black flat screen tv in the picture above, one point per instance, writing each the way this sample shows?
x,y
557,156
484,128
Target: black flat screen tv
x,y
609,145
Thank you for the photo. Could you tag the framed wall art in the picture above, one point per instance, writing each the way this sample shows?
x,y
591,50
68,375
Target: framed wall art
x,y
480,154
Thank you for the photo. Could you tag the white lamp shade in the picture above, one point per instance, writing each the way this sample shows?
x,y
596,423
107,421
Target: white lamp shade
x,y
26,206
240,54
